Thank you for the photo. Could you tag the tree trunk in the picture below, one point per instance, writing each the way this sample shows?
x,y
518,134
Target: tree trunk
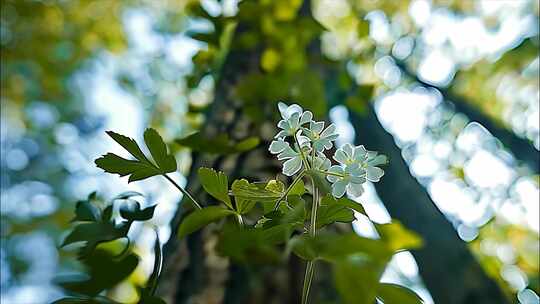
x,y
449,270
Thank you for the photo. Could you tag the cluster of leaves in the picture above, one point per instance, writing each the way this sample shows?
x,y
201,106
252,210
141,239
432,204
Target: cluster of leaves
x,y
260,223
101,237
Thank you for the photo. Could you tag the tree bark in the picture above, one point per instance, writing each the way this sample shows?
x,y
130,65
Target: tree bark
x,y
449,270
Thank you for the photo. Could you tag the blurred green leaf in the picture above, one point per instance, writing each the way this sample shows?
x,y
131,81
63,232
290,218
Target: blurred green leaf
x,y
243,204
392,293
86,211
221,144
398,237
85,300
131,211
105,271
335,247
216,184
200,218
356,279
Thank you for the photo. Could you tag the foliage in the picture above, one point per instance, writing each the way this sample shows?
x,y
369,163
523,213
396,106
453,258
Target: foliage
x,y
358,262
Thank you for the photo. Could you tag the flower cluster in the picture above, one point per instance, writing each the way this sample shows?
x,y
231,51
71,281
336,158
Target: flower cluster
x,y
302,142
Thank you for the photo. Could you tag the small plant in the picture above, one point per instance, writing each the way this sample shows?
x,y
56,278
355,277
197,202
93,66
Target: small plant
x,y
293,215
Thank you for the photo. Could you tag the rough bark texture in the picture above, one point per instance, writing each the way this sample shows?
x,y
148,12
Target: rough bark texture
x,y
522,149
449,270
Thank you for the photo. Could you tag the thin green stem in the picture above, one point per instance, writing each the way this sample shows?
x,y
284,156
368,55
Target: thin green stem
x,y
307,282
295,181
331,173
184,192
304,160
310,268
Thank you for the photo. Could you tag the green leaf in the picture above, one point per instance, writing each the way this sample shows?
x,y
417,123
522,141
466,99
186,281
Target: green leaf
x,y
129,144
243,205
216,184
131,211
398,237
298,189
251,246
105,271
262,193
141,167
336,247
137,170
320,181
165,162
95,233
202,217
328,214
125,195
392,293
86,211
221,144
356,279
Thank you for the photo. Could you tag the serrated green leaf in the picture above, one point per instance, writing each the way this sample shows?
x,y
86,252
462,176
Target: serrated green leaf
x,y
262,193
129,144
141,167
137,170
200,218
329,214
392,293
131,211
216,184
165,162
243,205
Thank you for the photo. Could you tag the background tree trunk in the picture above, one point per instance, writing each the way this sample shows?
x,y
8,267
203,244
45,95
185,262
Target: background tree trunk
x,y
449,270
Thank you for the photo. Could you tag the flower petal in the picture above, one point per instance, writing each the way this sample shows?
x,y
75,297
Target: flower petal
x,y
340,156
378,160
374,174
277,146
287,153
348,149
292,166
330,130
306,117
283,109
359,153
355,190
338,188
316,126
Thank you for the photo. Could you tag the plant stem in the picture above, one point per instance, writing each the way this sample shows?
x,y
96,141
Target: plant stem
x,y
304,160
310,268
184,192
296,180
240,220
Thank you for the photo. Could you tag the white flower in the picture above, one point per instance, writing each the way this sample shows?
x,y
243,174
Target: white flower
x,y
293,118
321,139
367,160
320,162
346,179
293,157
